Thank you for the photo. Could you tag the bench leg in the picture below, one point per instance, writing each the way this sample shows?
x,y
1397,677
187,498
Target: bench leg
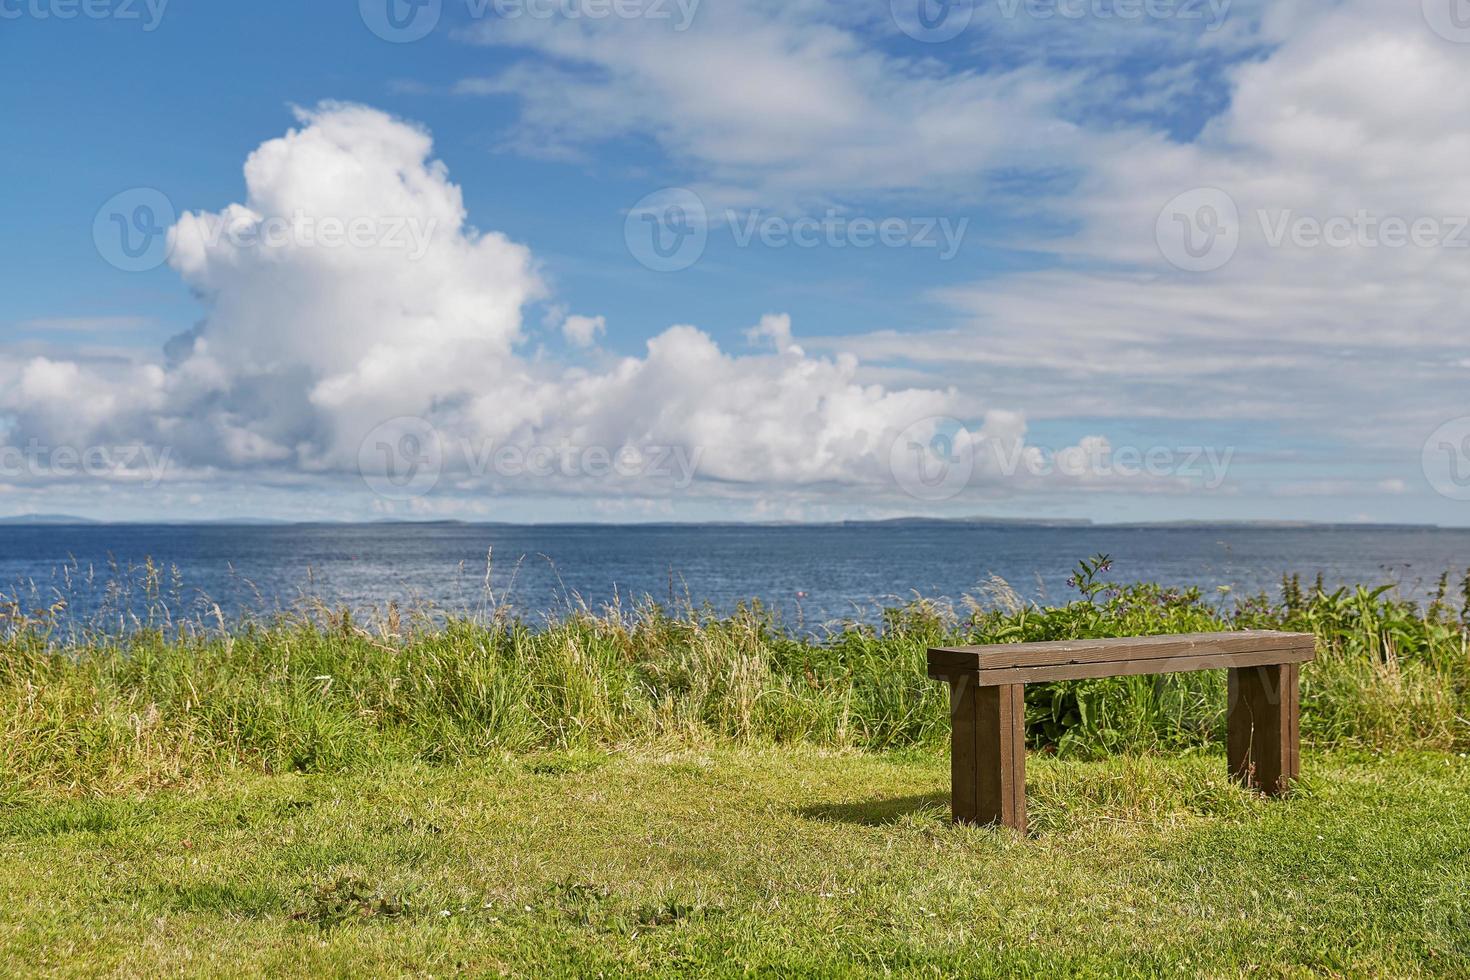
x,y
1264,722
987,760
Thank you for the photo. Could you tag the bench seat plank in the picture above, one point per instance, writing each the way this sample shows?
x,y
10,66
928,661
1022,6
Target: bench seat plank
x,y
1057,653
1121,668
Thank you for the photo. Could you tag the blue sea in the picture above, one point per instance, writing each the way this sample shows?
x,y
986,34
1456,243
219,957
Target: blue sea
x,y
812,574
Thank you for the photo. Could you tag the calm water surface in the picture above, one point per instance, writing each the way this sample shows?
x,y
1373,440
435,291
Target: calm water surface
x,y
812,574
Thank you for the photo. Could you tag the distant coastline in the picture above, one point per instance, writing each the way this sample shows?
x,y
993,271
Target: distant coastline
x,y
68,520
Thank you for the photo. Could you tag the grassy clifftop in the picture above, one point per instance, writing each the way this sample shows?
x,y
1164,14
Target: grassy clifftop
x,y
672,792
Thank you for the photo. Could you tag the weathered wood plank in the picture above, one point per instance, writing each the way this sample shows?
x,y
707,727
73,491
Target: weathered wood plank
x,y
1013,756
964,750
1121,668
1112,650
1263,744
988,755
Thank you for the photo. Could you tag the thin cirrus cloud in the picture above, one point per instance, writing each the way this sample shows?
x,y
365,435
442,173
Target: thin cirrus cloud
x,y
776,102
1328,113
1352,119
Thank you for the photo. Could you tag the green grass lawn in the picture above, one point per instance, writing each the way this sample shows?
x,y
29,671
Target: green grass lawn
x,y
730,861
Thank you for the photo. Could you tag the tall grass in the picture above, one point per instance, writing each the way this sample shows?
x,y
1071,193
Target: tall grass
x,y
163,702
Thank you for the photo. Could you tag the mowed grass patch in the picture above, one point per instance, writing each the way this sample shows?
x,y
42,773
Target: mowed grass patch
x,y
728,860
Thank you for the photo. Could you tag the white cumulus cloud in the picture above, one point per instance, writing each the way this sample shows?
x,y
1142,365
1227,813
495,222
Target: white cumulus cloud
x,y
349,289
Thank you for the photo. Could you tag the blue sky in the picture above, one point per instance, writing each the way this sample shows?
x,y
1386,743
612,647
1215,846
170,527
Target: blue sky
x,y
183,105
1030,335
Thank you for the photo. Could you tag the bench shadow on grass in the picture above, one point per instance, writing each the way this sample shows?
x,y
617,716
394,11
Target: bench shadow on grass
x,y
878,813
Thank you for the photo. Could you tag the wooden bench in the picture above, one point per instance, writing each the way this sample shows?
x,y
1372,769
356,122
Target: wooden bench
x,y
988,711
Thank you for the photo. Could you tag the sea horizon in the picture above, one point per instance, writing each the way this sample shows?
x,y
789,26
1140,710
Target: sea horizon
x,y
68,520
804,573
